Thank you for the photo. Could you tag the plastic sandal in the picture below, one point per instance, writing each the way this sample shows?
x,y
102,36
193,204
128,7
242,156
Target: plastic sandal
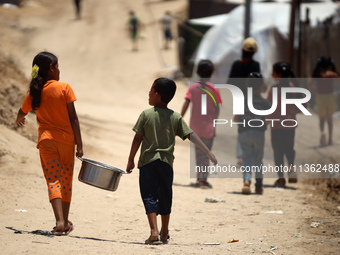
x,y
155,242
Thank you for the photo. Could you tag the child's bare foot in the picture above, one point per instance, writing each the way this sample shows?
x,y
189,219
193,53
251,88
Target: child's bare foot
x,y
165,237
59,227
64,230
153,240
164,234
67,225
153,235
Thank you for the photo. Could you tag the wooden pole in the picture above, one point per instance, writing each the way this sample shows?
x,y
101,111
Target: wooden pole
x,y
305,60
290,47
247,19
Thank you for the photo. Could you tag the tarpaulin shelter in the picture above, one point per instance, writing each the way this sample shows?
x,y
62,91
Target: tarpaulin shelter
x,y
222,43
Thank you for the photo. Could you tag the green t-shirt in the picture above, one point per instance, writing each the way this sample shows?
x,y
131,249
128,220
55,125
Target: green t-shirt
x,y
159,126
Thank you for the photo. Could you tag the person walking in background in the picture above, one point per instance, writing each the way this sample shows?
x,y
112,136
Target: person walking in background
x,y
282,137
239,72
166,26
252,137
134,26
59,131
156,129
202,125
325,96
78,8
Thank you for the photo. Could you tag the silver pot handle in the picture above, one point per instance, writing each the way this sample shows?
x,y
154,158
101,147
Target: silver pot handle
x,y
81,159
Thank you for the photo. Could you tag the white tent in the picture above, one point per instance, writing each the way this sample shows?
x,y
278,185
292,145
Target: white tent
x,y
222,43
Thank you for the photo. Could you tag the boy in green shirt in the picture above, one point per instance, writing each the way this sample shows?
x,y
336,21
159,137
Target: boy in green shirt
x,y
156,129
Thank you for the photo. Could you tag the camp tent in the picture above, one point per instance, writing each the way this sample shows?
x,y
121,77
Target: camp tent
x,y
222,43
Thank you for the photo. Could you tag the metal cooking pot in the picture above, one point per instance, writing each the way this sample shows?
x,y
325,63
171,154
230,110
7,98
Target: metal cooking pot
x,y
99,175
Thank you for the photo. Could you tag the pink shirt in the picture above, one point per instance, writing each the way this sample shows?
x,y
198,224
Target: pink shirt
x,y
202,125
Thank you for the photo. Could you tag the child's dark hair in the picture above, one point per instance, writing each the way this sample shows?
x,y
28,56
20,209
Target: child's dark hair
x,y
205,68
323,63
43,60
166,88
285,70
255,83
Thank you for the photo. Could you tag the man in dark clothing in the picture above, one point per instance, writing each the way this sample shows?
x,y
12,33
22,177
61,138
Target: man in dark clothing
x,y
77,4
239,72
243,67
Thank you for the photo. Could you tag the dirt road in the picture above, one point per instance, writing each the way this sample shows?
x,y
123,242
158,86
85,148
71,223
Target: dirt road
x,y
111,83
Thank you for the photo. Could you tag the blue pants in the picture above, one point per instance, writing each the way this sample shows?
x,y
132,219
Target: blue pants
x,y
252,144
155,183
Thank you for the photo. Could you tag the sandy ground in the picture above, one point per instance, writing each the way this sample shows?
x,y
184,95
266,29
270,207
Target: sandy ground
x,y
111,83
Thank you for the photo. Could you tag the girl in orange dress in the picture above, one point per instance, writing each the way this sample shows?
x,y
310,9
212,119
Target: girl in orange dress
x,y
59,132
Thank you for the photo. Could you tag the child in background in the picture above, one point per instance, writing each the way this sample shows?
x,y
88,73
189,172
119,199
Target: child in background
x,y
325,96
282,137
166,27
156,129
59,131
77,3
134,26
202,125
252,138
